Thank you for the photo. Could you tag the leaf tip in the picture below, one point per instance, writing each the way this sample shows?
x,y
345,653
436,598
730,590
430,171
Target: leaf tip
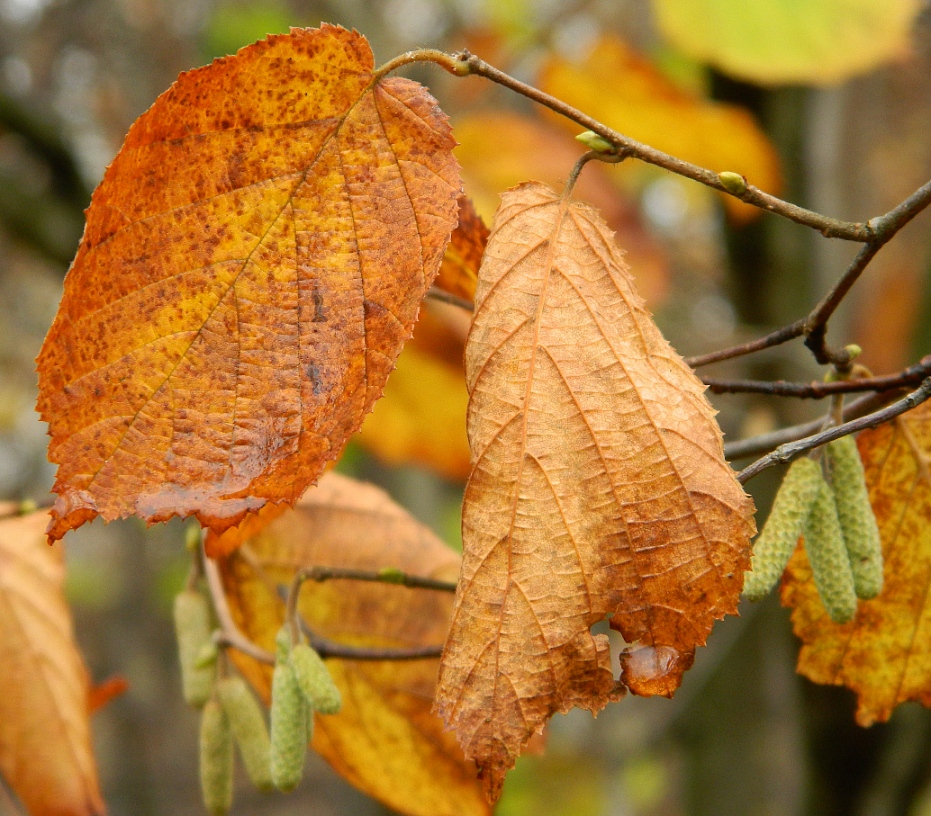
x,y
650,671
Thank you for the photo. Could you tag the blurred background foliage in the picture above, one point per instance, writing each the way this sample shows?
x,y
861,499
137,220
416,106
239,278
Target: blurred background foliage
x,y
827,102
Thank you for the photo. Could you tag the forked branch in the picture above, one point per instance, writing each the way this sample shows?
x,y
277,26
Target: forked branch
x,y
230,635
874,233
787,452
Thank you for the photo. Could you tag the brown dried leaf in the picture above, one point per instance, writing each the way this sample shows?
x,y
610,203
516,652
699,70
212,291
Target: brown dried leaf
x,y
254,259
599,488
385,740
45,740
884,653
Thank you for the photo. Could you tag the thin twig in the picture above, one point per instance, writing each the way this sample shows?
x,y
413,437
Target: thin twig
x,y
230,635
874,233
763,443
775,338
445,297
816,324
386,576
818,390
830,227
330,649
787,452
902,213
327,648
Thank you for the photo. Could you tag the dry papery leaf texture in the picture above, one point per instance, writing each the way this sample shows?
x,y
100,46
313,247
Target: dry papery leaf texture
x,y
598,488
45,739
253,261
385,740
884,653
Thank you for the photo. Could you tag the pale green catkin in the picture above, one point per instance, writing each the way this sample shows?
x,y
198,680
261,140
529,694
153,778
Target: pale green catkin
x,y
315,681
193,632
830,566
857,520
289,734
775,544
216,759
249,729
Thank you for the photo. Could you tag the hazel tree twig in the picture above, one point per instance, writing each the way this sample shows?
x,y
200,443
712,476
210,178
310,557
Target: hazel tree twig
x,y
231,636
329,648
469,64
787,452
763,443
383,576
818,390
874,233
446,297
814,325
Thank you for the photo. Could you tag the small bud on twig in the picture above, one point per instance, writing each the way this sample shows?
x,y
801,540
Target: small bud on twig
x,y
732,182
594,141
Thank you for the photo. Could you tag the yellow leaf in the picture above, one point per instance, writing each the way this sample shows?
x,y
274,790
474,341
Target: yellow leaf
x,y
421,418
628,94
884,653
45,740
598,488
254,259
385,740
817,42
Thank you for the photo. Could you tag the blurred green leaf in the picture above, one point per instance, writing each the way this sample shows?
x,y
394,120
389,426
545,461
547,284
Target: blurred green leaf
x,y
235,25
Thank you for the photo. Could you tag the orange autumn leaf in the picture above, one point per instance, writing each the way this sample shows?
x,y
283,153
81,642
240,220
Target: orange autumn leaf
x,y
623,90
884,653
500,149
242,290
226,541
385,740
104,693
599,488
45,740
459,270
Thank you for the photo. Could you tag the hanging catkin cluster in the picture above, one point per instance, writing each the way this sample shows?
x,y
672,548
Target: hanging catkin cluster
x,y
273,758
835,518
301,685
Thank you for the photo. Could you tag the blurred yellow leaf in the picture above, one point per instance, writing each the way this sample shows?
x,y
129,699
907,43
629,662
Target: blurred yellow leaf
x,y
45,740
816,42
500,149
625,92
884,653
422,416
385,741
